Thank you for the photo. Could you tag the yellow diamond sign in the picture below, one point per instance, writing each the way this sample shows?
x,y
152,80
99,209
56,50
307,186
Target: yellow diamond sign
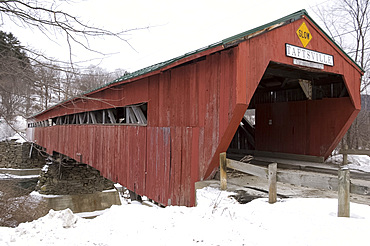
x,y
304,34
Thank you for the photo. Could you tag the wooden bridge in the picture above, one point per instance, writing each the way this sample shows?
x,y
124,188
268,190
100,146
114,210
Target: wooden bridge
x,y
159,130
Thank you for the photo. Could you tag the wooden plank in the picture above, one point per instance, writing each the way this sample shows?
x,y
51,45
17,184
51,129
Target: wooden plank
x,y
153,100
194,163
345,155
248,168
272,171
314,180
193,96
139,114
343,193
268,154
166,132
355,152
115,150
185,168
176,148
360,187
223,173
122,162
151,159
130,116
111,116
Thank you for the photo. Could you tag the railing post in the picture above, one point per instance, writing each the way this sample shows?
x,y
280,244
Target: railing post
x,y
343,192
344,186
223,174
272,170
345,155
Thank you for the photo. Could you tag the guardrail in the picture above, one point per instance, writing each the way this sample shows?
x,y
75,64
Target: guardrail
x,y
315,180
344,188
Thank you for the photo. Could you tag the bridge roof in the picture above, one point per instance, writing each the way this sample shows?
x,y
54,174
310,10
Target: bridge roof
x,y
225,43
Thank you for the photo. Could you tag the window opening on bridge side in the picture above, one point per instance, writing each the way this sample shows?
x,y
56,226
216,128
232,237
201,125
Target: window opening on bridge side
x,y
135,114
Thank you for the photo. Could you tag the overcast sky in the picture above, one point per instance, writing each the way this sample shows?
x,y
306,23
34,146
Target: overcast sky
x,y
177,27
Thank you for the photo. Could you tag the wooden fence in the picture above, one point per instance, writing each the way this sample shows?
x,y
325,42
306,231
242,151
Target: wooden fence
x,y
341,183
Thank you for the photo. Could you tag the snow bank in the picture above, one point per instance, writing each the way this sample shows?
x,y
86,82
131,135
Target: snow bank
x,y
45,228
217,220
355,162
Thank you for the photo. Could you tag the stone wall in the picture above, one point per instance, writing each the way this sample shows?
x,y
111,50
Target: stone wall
x,y
16,155
65,176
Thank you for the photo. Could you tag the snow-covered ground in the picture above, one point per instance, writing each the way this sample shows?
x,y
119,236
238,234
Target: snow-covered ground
x,y
355,162
217,220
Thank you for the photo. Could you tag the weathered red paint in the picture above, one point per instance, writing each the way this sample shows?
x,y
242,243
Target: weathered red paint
x,y
194,110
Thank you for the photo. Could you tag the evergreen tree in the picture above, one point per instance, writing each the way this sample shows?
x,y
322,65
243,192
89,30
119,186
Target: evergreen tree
x,y
15,77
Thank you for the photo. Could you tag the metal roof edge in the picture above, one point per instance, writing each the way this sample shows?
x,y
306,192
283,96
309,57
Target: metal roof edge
x,y
286,19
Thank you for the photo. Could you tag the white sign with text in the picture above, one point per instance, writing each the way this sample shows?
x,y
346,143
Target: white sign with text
x,y
308,55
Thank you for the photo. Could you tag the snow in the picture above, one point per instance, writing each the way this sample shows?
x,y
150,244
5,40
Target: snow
x,y
45,168
18,138
217,220
37,194
355,162
19,125
12,176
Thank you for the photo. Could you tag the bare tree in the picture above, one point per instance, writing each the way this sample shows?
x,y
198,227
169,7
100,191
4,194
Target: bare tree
x,y
49,18
47,85
348,23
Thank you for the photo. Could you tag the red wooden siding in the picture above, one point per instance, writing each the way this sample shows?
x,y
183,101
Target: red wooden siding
x,y
312,127
194,110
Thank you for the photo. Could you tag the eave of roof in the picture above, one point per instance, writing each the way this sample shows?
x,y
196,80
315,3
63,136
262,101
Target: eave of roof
x,y
225,43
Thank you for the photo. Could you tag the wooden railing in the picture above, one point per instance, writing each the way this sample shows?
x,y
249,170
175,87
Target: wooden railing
x,y
344,188
300,178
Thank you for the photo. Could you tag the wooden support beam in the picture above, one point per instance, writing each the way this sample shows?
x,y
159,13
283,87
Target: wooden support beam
x,y
73,119
87,117
130,118
248,168
306,86
81,118
354,152
139,114
111,116
65,119
272,170
92,117
223,173
285,156
313,180
103,117
343,193
345,155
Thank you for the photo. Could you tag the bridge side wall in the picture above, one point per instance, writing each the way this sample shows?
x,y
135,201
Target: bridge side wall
x,y
190,108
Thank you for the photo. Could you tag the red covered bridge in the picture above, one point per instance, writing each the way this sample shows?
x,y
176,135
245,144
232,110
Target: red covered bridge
x,y
159,130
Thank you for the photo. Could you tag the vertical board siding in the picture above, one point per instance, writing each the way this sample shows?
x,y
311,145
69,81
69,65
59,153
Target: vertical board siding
x,y
158,164
189,108
313,125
